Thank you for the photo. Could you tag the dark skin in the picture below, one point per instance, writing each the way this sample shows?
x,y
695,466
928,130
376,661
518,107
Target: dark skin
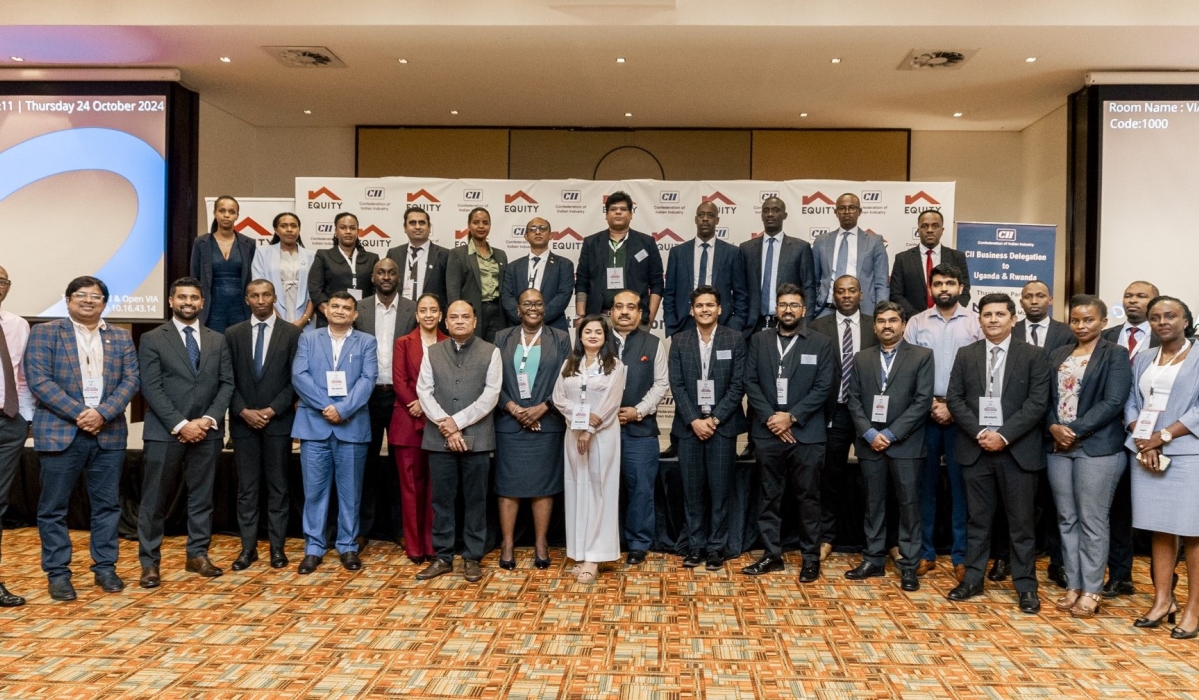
x,y
1087,324
848,210
531,307
888,327
479,227
225,211
706,219
386,278
930,227
261,299
1136,301
774,213
1036,301
847,295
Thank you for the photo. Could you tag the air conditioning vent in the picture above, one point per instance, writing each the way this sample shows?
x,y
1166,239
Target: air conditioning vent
x,y
935,59
304,56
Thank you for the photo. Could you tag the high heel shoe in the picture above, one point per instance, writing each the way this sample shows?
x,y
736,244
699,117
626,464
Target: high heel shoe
x,y
542,563
508,564
1150,623
1180,633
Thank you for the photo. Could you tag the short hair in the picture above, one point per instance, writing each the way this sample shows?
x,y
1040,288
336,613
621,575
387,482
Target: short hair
x,y
1186,310
1047,287
946,270
344,295
855,279
253,282
616,198
626,290
705,289
413,209
789,288
87,281
1079,300
429,295
1151,285
474,312
997,298
337,219
889,305
931,211
185,282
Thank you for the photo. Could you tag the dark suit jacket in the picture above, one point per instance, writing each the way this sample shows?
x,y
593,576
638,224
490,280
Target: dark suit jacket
x,y
1113,335
201,266
808,368
910,388
273,389
795,266
405,370
909,285
643,275
1106,383
464,280
555,346
728,276
1024,399
331,273
827,326
726,368
174,391
405,317
557,287
434,269
1059,336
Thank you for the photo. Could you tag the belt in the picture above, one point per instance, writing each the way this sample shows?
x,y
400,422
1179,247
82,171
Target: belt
x,y
384,387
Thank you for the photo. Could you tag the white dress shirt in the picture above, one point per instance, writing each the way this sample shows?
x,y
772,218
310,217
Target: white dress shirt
x,y
385,332
855,330
474,412
774,269
266,336
195,326
16,332
91,352
1142,336
699,252
422,259
536,274
648,405
1042,330
996,373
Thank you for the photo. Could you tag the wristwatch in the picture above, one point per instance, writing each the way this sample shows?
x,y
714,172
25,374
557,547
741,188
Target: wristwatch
x,y
1166,436
715,420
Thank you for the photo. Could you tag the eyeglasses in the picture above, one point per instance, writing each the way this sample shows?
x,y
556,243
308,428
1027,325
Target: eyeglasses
x,y
540,228
532,304
789,305
85,296
5,283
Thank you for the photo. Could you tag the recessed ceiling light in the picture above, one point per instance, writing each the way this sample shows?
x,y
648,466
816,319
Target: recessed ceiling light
x,y
628,114
957,114
308,111
1031,59
836,60
403,60
620,60
226,59
18,59
803,114
453,111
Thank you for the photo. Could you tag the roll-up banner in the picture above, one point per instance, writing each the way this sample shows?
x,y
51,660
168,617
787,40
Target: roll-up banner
x,y
1005,257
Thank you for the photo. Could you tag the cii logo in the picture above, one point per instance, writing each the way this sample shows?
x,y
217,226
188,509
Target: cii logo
x,y
1005,234
724,205
472,195
814,232
872,196
911,201
248,223
668,197
767,194
375,193
518,231
323,198
325,228
512,203
572,196
722,232
430,202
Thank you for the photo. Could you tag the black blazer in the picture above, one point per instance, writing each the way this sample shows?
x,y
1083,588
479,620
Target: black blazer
x,y
728,275
1106,383
330,273
726,368
1059,336
273,389
555,346
808,368
1025,397
795,266
557,287
910,388
642,273
405,317
464,279
174,390
909,287
201,267
827,326
434,269
1113,335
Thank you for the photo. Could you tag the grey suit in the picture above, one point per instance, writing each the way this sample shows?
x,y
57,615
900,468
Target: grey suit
x,y
175,392
464,280
870,270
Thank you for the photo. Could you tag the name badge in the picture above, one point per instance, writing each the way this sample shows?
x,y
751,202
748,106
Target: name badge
x,y
807,359
1146,421
356,293
91,392
724,354
336,382
616,277
705,390
580,417
641,255
780,391
1157,402
878,410
522,384
990,413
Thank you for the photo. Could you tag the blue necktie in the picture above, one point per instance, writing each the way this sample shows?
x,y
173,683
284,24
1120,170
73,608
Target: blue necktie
x,y
258,349
767,277
842,257
193,348
703,266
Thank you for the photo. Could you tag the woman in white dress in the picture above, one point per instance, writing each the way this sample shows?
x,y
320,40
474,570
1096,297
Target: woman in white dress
x,y
589,396
285,263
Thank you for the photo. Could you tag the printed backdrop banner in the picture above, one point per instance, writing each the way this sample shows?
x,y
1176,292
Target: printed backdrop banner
x,y
256,215
1005,257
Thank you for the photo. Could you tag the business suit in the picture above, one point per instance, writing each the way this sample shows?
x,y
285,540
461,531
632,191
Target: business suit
x,y
204,250
708,463
331,273
176,391
435,266
464,280
909,389
1059,335
727,271
808,369
380,484
642,271
837,482
333,452
268,266
557,287
1011,473
795,266
870,269
262,454
909,281
55,378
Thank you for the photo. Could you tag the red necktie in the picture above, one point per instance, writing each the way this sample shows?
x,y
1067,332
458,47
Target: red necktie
x,y
928,271
1132,340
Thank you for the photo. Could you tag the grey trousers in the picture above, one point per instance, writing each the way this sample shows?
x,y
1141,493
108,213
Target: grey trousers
x,y
1083,489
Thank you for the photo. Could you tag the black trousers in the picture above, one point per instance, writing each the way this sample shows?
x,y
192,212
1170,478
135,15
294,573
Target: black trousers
x,y
1119,554
904,478
446,471
13,432
995,480
167,462
838,480
379,509
492,320
1047,531
707,465
262,458
797,465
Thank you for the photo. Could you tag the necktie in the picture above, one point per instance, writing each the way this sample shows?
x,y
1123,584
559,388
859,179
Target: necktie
x,y
412,270
991,371
1035,340
703,266
1132,340
846,361
533,271
768,277
842,257
193,348
11,403
928,271
259,342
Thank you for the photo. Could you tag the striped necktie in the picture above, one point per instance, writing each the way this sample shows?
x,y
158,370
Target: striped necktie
x,y
846,361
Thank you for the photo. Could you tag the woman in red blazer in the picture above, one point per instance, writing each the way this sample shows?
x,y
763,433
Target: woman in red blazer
x,y
407,428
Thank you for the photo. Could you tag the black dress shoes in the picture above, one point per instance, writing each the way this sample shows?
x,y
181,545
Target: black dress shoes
x,y
1057,574
62,590
542,563
109,582
670,452
1111,589
864,570
309,563
8,600
278,558
909,581
764,565
965,591
714,562
1000,570
692,560
636,556
351,561
245,559
1030,603
810,571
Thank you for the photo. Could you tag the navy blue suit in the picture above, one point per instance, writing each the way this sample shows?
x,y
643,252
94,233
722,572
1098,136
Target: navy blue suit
x,y
557,287
728,275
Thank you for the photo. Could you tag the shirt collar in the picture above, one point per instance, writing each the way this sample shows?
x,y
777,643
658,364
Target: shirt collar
x,y
846,230
1143,327
855,319
1005,345
180,325
462,346
270,322
389,307
935,249
83,329
958,312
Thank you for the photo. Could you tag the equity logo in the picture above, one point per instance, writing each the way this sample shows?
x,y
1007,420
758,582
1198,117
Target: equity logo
x,y
567,233
248,223
816,203
512,203
724,205
459,235
913,198
667,234
910,200
430,202
372,229
817,197
323,198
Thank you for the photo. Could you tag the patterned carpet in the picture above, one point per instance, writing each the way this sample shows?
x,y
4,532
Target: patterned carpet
x,y
657,632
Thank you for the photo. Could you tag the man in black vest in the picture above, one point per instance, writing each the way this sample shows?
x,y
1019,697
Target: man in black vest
x,y
645,385
788,375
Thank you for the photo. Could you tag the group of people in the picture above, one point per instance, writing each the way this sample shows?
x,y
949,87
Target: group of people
x,y
456,355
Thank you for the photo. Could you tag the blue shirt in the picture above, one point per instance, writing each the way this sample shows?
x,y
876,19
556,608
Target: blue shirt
x,y
929,329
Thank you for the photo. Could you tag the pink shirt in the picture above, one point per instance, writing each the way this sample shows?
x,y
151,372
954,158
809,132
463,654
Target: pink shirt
x,y
16,332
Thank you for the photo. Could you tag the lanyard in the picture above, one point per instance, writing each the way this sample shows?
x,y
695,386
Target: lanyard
x,y
533,272
91,351
887,368
782,352
352,261
583,379
615,246
1156,370
338,346
525,356
992,365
